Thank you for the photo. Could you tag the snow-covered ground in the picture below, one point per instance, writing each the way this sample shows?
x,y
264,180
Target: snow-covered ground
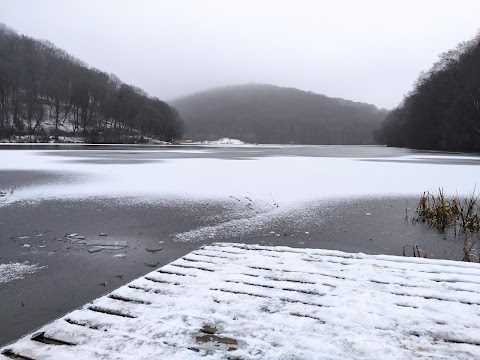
x,y
251,302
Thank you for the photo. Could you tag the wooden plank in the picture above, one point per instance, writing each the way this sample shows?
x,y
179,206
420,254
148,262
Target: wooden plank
x,y
270,302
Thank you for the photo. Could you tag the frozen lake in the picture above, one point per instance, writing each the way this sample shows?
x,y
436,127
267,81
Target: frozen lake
x,y
282,174
349,198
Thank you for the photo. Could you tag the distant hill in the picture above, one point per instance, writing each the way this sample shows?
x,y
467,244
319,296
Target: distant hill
x,y
46,93
270,114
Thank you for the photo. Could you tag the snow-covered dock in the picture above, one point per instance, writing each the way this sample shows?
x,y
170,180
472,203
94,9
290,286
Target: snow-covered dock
x,y
256,302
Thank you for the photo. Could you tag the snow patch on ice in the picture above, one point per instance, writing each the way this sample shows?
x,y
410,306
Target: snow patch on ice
x,y
222,141
15,271
295,215
232,228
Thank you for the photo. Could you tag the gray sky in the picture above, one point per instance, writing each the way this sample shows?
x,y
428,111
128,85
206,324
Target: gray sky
x,y
369,51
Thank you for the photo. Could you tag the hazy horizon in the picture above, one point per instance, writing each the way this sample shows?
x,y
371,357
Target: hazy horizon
x,y
370,52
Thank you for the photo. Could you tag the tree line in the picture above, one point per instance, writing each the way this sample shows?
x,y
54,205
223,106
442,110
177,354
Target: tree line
x,y
442,111
44,91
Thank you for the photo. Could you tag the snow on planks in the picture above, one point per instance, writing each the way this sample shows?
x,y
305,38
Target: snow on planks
x,y
256,302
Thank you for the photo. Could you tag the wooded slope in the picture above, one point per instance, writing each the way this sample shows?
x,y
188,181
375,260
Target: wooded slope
x,y
270,114
46,92
442,112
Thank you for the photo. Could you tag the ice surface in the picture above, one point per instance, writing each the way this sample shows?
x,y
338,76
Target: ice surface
x,y
287,180
264,302
114,243
153,248
99,245
95,249
277,185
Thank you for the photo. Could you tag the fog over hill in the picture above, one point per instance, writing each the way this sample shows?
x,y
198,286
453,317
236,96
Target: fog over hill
x,y
258,113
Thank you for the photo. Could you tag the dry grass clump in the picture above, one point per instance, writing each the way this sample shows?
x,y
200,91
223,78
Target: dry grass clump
x,y
441,212
437,210
470,250
461,214
469,217
417,250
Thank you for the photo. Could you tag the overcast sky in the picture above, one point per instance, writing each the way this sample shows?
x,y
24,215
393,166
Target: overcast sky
x,y
368,51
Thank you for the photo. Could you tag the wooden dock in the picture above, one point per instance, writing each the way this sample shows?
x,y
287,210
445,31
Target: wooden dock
x,y
236,301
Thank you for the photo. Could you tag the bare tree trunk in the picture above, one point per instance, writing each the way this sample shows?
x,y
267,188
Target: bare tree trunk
x,y
57,114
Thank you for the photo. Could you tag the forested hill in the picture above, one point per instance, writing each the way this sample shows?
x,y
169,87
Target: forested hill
x,y
442,112
271,114
45,93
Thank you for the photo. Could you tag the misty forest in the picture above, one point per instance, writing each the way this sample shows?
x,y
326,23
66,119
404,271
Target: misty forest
x,y
274,115
45,92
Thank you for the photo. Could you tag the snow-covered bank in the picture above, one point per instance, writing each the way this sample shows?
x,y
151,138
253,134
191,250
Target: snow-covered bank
x,y
247,301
